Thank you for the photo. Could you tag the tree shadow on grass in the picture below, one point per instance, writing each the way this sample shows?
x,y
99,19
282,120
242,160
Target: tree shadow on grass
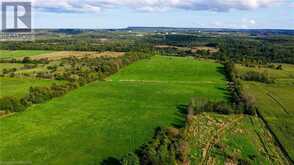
x,y
224,89
180,120
111,161
221,70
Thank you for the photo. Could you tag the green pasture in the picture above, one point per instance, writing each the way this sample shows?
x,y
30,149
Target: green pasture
x,y
18,87
275,103
21,53
110,118
172,69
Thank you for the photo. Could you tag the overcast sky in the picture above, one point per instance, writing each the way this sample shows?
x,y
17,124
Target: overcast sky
x,y
172,13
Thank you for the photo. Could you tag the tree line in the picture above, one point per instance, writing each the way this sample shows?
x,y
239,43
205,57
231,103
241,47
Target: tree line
x,y
75,76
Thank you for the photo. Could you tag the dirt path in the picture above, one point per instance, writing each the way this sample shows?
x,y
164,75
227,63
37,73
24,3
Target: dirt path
x,y
278,102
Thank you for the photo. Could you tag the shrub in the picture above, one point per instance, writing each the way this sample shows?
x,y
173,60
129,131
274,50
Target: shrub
x,y
203,105
130,159
183,151
38,95
11,104
222,108
257,76
173,132
280,67
30,66
249,104
26,60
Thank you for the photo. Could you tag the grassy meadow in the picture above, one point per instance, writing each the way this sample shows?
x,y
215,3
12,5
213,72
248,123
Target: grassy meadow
x,y
18,87
109,118
172,69
10,66
275,103
21,53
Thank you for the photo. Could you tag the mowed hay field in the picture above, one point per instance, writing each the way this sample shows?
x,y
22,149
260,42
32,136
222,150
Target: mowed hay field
x,y
21,53
110,118
276,105
172,70
18,87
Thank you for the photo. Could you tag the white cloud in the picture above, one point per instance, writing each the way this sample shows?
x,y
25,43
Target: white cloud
x,y
252,22
247,23
150,5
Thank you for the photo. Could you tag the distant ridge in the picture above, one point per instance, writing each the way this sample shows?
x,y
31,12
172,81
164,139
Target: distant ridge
x,y
171,29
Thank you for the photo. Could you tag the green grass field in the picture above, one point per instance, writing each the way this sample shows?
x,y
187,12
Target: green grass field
x,y
275,103
167,69
18,87
110,118
21,53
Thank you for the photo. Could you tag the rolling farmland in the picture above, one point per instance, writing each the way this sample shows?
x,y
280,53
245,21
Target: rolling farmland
x,y
275,104
110,118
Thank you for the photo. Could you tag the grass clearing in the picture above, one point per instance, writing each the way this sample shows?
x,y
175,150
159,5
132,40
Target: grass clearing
x,y
111,118
286,73
10,66
21,53
18,87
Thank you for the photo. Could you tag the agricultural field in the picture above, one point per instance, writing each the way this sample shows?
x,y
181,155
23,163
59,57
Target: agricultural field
x,y
21,53
275,104
173,70
18,87
110,118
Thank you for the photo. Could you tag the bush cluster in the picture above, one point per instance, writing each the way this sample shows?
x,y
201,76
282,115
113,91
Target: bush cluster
x,y
257,76
242,101
217,107
167,147
35,95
